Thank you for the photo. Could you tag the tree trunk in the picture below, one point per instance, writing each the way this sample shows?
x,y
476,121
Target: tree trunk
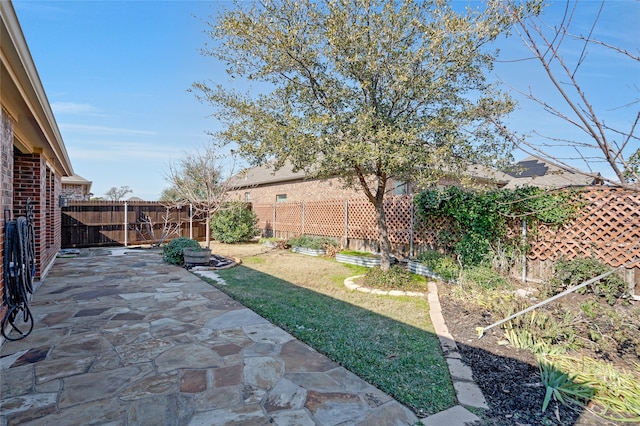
x,y
208,231
383,237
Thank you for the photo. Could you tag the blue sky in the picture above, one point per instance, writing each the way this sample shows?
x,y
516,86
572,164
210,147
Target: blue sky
x,y
117,73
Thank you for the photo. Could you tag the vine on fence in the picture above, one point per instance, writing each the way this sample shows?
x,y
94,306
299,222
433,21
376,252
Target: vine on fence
x,y
481,219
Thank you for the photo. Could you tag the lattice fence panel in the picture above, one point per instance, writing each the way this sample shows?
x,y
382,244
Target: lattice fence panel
x,y
609,227
289,218
326,218
362,220
398,214
428,231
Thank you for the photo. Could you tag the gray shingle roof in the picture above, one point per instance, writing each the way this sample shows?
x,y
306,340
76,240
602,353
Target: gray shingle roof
x,y
531,171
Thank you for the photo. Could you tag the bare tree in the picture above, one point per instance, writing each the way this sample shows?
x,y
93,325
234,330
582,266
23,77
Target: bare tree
x,y
148,231
116,194
562,55
199,179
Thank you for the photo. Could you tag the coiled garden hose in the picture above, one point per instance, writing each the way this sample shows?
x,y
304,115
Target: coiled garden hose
x,y
19,269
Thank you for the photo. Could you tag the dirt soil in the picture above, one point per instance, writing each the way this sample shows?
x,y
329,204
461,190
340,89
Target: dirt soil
x,y
508,377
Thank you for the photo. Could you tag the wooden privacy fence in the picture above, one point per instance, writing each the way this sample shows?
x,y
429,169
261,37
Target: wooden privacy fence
x,y
608,227
104,223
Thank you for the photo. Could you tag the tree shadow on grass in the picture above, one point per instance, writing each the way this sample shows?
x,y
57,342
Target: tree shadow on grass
x,y
402,360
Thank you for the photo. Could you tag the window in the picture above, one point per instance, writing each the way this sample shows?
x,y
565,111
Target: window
x,y
281,198
400,188
247,197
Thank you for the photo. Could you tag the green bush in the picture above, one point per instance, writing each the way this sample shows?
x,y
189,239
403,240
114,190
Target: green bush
x,y
569,273
311,242
444,266
234,223
172,252
396,278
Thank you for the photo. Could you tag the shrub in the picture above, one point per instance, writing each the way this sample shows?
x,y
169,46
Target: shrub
x,y
396,278
234,223
172,252
569,273
562,387
311,242
444,266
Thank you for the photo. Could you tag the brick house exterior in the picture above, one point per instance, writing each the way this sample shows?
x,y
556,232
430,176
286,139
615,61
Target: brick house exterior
x,y
76,188
261,185
33,155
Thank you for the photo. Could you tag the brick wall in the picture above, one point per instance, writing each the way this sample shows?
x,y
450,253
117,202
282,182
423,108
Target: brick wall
x,y
34,181
6,183
73,192
296,191
28,185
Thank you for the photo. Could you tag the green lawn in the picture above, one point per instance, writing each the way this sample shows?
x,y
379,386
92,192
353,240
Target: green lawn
x,y
388,341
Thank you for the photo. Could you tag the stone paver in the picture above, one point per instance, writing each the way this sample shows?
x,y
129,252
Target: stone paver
x,y
129,340
454,416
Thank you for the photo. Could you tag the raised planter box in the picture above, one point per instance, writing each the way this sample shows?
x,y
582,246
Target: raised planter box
x,y
197,257
368,261
309,251
420,269
272,243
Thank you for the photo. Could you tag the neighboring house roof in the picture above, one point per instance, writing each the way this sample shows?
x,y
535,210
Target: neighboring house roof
x,y
23,97
533,171
76,180
264,175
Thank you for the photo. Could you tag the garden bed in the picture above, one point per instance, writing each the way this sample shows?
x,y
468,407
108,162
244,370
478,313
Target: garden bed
x,y
509,378
420,269
368,260
309,251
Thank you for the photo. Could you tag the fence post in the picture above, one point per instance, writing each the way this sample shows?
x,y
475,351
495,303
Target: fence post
x,y
274,219
190,221
126,224
346,223
411,227
524,255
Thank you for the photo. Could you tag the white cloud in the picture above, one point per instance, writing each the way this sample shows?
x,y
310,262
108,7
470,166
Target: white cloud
x,y
92,130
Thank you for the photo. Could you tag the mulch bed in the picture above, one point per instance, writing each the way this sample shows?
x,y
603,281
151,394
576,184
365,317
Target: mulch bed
x,y
509,378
